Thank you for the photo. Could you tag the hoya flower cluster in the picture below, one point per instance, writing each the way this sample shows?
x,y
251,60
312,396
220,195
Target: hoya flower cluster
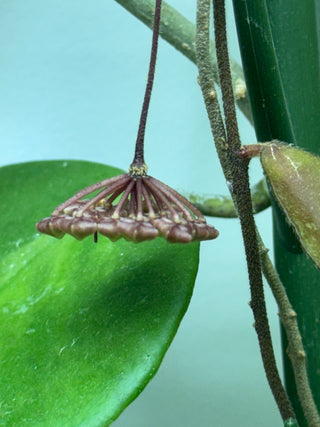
x,y
131,206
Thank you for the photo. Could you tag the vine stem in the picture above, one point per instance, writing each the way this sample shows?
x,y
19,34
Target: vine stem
x,y
242,196
295,349
236,172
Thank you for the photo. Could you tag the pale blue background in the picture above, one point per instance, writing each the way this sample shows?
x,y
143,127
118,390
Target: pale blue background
x,y
72,79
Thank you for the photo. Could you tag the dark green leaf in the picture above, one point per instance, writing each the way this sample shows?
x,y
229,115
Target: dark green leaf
x,y
84,326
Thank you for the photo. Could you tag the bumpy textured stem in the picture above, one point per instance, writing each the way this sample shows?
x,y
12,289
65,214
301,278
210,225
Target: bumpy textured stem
x,y
180,33
235,170
295,349
207,86
241,193
224,207
275,55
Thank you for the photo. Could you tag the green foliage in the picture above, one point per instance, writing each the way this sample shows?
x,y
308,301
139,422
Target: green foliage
x,y
294,176
84,326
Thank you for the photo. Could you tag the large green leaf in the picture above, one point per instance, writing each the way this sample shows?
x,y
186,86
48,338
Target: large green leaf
x,y
84,326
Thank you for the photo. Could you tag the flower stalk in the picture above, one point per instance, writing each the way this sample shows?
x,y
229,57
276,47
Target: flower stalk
x,y
138,160
180,33
134,206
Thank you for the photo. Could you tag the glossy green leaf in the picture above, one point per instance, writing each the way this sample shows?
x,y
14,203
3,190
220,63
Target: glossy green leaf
x,y
294,176
84,326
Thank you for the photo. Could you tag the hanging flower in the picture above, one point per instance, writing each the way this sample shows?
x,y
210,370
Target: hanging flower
x,y
134,206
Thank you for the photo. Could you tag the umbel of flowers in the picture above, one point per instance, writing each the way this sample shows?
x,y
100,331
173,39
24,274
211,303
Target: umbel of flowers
x,y
134,206
146,209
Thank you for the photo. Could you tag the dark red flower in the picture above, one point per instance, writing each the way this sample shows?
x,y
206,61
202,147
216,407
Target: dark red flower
x,y
134,206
